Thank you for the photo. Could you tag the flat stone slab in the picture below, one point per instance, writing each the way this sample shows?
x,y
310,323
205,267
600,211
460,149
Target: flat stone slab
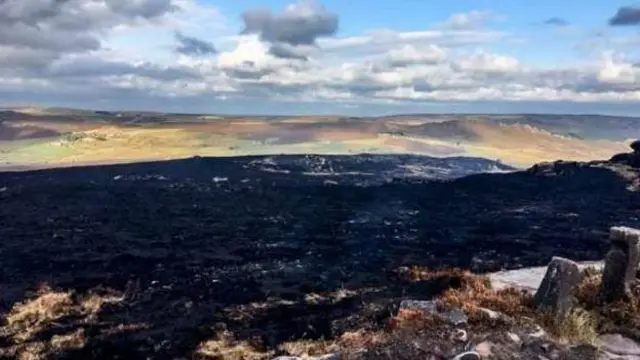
x,y
323,357
616,346
529,279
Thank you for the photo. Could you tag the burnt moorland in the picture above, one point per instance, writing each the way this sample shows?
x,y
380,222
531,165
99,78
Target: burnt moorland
x,y
242,244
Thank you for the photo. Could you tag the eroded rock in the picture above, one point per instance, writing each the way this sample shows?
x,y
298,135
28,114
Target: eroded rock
x,y
554,294
621,264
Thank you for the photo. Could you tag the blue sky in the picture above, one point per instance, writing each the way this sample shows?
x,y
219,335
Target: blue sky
x,y
520,17
404,15
353,57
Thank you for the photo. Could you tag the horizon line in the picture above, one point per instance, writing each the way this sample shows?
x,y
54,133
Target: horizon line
x,y
391,115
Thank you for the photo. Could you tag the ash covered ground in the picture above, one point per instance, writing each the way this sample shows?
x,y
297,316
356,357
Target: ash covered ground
x,y
196,242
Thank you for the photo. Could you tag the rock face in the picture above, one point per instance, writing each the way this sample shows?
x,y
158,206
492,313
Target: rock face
x,y
632,159
621,263
554,294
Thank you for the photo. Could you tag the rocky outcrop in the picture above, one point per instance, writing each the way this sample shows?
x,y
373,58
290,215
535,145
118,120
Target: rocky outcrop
x,y
577,334
632,158
621,264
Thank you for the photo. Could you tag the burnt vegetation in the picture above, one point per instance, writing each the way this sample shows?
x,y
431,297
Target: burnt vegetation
x,y
213,258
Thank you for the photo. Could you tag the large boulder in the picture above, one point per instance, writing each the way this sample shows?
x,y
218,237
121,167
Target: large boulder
x,y
621,264
554,293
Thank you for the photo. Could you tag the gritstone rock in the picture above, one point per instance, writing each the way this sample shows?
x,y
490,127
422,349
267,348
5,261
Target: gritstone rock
x,y
621,263
469,355
632,158
616,346
554,293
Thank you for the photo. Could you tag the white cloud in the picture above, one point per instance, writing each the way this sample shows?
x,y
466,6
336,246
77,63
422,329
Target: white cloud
x,y
136,58
484,62
469,20
614,70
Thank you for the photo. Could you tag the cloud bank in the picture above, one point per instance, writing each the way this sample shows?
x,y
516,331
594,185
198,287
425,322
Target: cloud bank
x,y
83,49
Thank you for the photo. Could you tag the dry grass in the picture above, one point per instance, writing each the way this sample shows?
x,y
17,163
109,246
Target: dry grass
x,y
469,292
474,292
464,277
226,347
309,347
74,340
329,297
462,290
47,307
623,316
67,312
348,345
579,327
362,339
414,320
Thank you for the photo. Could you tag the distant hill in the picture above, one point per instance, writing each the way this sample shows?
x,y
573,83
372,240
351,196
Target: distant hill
x,y
60,136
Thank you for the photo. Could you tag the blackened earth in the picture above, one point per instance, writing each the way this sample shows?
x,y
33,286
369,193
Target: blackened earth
x,y
201,237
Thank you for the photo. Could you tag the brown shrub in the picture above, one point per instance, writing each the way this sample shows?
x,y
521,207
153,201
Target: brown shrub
x,y
620,316
47,309
475,292
225,347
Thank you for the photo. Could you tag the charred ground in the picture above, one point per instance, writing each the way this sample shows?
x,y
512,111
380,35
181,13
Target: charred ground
x,y
270,251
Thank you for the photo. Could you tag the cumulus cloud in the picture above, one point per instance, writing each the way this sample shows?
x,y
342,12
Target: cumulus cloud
x,y
150,51
190,45
36,32
626,16
69,25
300,24
287,51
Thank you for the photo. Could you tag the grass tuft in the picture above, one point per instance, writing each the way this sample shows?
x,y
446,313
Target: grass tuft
x,y
226,347
70,314
579,327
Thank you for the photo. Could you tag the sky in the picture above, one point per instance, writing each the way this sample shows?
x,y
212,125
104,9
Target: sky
x,y
356,57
